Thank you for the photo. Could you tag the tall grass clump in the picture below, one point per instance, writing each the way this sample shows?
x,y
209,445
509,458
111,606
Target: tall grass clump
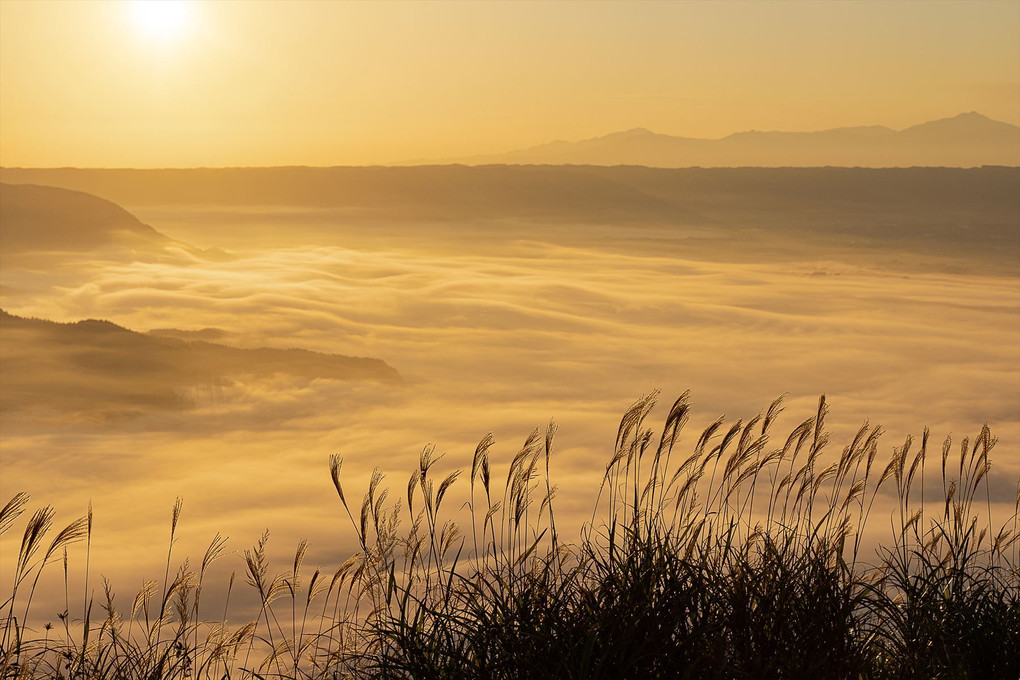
x,y
730,554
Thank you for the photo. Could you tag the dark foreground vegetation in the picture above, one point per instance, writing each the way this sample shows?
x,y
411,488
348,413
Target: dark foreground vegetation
x,y
740,557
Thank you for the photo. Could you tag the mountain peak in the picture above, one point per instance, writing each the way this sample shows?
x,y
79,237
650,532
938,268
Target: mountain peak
x,y
970,117
636,131
969,127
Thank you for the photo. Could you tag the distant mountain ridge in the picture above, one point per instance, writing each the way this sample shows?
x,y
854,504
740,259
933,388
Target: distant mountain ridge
x,y
966,140
572,194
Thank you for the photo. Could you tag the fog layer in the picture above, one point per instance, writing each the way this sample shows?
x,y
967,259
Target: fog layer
x,y
494,326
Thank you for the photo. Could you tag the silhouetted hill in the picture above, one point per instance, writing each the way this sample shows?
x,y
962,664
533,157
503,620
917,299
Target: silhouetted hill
x,y
45,220
966,140
50,218
966,128
96,366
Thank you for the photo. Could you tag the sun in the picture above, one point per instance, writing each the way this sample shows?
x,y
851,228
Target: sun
x,y
162,21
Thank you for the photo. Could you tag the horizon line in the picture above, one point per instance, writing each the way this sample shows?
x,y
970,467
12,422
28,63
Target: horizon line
x,y
406,166
465,160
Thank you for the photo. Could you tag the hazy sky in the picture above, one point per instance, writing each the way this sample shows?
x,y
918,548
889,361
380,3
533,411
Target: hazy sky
x,y
334,83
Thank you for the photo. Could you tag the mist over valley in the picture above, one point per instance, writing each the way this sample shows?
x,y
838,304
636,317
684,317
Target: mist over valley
x,y
230,301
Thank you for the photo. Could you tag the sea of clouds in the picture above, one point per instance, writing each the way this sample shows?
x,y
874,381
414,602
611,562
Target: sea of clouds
x,y
487,339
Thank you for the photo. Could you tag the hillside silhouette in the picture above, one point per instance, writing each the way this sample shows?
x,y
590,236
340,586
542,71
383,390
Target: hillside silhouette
x,y
49,218
98,368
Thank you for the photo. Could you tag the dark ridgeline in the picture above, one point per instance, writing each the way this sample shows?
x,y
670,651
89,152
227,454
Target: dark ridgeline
x,y
578,192
935,212
36,217
47,221
97,369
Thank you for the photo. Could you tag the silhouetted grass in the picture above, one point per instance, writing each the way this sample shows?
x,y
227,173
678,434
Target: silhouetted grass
x,y
738,558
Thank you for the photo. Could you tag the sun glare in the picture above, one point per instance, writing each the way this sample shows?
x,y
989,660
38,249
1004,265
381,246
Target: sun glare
x,y
161,20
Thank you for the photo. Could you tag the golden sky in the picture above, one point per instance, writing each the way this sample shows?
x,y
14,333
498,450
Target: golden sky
x,y
339,83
